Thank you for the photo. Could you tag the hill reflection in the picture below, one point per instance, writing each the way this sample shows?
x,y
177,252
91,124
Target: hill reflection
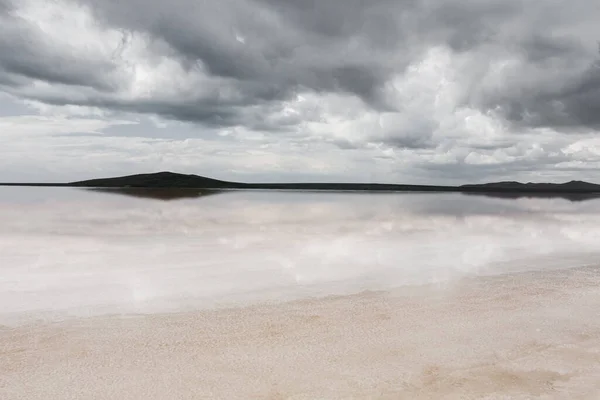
x,y
575,197
167,194
164,194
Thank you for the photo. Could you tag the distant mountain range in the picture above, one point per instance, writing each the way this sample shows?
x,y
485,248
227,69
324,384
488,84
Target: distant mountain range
x,y
572,187
175,180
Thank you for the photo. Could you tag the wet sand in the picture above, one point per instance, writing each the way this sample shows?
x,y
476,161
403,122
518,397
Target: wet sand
x,y
519,336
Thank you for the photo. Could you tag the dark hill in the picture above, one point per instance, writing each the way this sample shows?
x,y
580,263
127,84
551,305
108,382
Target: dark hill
x,y
174,180
157,180
517,187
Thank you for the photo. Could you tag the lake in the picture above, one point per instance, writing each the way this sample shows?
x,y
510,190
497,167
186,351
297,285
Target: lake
x,y
85,251
501,274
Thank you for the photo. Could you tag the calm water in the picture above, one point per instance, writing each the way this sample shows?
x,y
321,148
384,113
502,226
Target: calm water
x,y
75,251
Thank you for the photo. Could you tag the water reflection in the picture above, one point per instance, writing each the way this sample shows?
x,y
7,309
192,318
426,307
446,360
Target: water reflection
x,y
132,249
566,196
190,193
165,194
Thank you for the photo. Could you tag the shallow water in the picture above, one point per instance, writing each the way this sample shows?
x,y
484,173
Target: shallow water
x,y
85,252
284,295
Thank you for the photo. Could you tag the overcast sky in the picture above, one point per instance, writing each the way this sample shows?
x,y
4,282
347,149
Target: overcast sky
x,y
415,91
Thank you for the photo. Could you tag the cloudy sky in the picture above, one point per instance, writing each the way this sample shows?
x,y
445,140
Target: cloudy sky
x,y
414,91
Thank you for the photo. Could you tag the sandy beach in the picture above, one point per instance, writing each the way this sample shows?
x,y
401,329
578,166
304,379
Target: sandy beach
x,y
520,336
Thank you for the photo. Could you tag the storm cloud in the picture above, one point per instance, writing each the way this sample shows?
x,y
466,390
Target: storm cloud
x,y
464,83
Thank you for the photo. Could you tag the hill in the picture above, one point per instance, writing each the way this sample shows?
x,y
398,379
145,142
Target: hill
x,y
157,180
174,180
530,187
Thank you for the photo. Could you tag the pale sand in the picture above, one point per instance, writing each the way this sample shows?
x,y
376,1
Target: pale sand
x,y
534,335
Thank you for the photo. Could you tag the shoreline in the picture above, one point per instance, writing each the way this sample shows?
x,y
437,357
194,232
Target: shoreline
x,y
330,186
523,335
499,193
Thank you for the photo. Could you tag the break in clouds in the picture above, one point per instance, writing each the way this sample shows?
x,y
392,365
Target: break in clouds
x,y
418,90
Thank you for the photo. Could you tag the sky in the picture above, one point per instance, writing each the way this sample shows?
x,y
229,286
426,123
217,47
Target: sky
x,y
411,91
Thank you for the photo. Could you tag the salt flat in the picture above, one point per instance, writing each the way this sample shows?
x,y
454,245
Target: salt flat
x,y
297,296
516,336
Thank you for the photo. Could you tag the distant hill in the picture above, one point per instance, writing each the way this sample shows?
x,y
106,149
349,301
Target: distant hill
x,y
157,180
518,187
174,180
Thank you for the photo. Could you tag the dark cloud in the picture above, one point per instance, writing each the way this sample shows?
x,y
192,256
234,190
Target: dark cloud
x,y
6,6
286,46
8,79
362,81
27,55
539,48
413,142
570,104
29,65
256,54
